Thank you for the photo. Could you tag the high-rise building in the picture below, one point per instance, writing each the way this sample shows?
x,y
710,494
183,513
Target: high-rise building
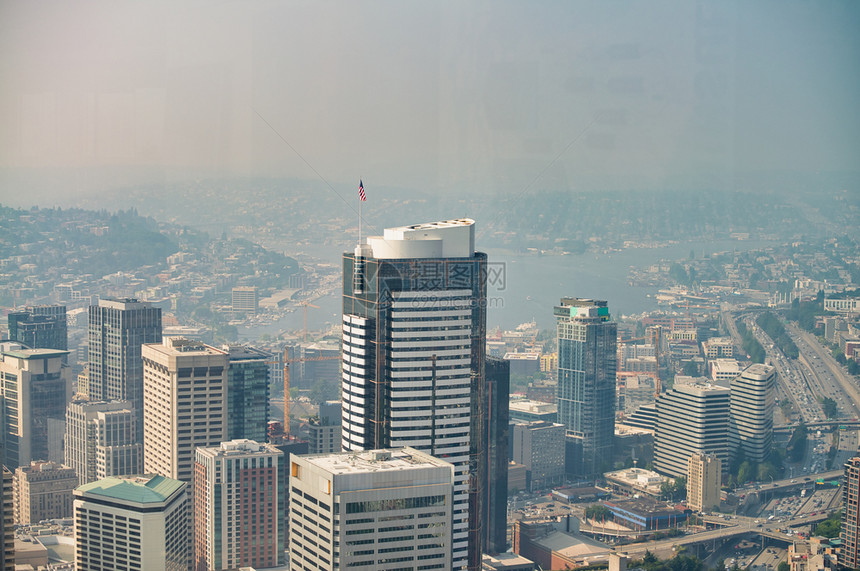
x,y
849,556
238,506
586,380
704,478
35,385
752,403
414,330
324,431
495,435
117,330
245,300
380,509
691,418
247,393
42,490
7,534
539,446
131,522
185,387
40,327
101,440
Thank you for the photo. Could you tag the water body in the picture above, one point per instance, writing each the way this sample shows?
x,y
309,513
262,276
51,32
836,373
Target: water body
x,y
526,287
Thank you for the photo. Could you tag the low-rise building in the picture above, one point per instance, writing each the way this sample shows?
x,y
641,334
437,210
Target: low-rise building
x,y
43,490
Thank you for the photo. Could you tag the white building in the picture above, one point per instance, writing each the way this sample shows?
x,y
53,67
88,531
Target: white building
x,y
381,509
718,347
704,478
724,369
752,404
136,523
101,440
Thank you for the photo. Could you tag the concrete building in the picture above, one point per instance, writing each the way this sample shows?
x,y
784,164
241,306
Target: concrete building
x,y
245,300
526,410
414,327
42,490
128,522
704,478
633,481
724,370
718,347
35,385
101,440
117,329
381,509
324,436
247,393
849,555
752,404
848,306
586,381
691,418
185,387
238,506
40,327
539,446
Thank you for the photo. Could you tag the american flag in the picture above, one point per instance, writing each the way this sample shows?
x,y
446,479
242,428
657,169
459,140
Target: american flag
x,y
361,195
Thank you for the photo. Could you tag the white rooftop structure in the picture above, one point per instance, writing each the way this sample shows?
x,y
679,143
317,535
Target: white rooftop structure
x,y
445,239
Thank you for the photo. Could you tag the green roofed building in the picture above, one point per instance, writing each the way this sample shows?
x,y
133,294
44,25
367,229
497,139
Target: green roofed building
x,y
132,522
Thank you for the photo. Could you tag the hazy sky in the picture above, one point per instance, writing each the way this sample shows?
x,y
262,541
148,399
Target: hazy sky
x,y
435,95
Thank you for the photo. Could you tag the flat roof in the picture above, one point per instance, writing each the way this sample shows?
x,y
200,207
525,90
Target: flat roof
x,y
374,461
435,225
139,489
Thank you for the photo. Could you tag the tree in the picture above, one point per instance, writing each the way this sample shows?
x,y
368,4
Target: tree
x,y
691,369
783,566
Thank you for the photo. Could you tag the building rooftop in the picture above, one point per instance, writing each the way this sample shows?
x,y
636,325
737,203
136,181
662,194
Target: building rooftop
x,y
138,489
444,239
374,461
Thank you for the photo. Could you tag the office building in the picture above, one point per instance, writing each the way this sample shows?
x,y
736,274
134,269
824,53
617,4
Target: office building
x,y
246,300
718,347
42,490
704,478
7,534
185,391
691,418
117,329
380,509
539,446
35,385
101,440
752,403
414,327
238,506
496,434
40,327
131,522
247,393
324,435
586,381
527,410
849,556
724,369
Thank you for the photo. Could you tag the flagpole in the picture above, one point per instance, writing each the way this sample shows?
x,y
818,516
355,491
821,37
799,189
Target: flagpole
x,y
360,184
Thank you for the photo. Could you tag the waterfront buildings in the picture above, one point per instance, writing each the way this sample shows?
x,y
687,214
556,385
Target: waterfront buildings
x,y
586,381
379,509
414,329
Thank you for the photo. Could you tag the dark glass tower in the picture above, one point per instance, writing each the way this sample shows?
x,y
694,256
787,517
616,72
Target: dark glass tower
x,y
414,330
40,327
496,435
117,329
247,393
586,382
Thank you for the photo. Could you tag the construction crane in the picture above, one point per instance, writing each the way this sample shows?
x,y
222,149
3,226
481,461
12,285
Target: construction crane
x,y
287,362
306,305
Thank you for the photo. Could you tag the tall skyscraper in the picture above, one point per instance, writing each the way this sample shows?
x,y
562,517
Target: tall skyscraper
x,y
691,418
35,385
247,393
238,506
131,522
496,435
414,330
849,556
185,387
40,327
379,509
101,440
586,380
117,330
752,412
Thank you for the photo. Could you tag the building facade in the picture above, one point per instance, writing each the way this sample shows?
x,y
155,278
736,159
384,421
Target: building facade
x,y
35,385
238,506
704,478
496,434
849,556
117,329
42,490
380,509
539,446
40,327
691,418
586,380
247,393
752,404
324,436
135,523
245,300
101,440
414,331
7,518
